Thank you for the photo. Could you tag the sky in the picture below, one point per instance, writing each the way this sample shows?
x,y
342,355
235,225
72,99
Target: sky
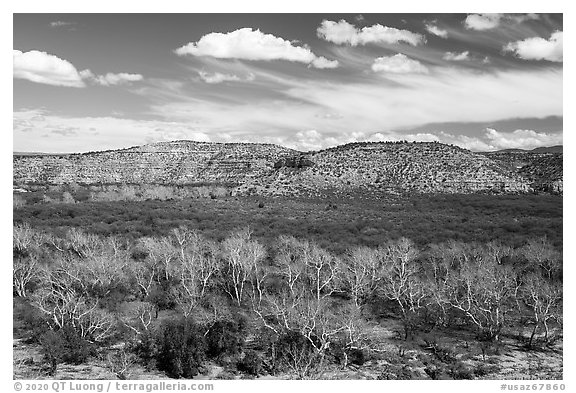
x,y
87,82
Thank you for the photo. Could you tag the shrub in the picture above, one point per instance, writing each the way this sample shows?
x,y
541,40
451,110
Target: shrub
x,y
181,348
64,346
226,338
295,353
251,363
459,370
147,350
28,321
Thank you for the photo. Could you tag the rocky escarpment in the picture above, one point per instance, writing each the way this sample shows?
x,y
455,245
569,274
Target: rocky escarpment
x,y
266,169
542,170
391,168
181,162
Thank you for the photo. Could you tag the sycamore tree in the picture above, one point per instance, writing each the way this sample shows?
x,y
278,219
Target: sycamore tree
x,y
481,289
401,282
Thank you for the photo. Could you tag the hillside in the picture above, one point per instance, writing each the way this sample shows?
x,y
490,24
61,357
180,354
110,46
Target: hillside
x,y
266,169
542,168
179,162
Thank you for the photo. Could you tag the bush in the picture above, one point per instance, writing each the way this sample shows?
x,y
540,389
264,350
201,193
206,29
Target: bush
x,y
251,363
28,322
181,348
64,346
147,350
226,338
459,370
295,353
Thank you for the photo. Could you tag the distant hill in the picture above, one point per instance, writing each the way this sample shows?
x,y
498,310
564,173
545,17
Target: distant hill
x,y
265,169
541,167
548,149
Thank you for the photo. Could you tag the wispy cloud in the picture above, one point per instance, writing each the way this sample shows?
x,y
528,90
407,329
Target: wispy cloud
x,y
60,23
111,79
218,77
452,56
491,21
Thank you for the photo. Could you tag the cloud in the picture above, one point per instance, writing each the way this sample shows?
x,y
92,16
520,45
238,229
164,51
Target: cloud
x,y
111,79
77,134
538,48
66,131
452,56
60,23
521,139
342,32
482,21
435,30
412,100
218,77
41,67
398,64
490,21
322,62
248,44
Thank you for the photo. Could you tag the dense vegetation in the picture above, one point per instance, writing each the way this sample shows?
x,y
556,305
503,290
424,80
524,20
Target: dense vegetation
x,y
284,307
174,279
336,224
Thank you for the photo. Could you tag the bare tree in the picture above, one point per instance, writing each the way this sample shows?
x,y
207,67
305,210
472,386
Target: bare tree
x,y
139,318
162,252
144,273
24,271
360,273
242,256
60,299
481,289
300,301
544,300
541,253
400,281
120,363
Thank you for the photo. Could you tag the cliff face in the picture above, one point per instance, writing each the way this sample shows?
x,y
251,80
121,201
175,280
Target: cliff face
x,y
392,167
273,170
181,162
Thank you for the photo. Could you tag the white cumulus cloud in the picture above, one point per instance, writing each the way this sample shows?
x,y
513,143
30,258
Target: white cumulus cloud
x,y
322,62
41,67
538,48
522,139
452,56
398,64
249,44
342,32
482,21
